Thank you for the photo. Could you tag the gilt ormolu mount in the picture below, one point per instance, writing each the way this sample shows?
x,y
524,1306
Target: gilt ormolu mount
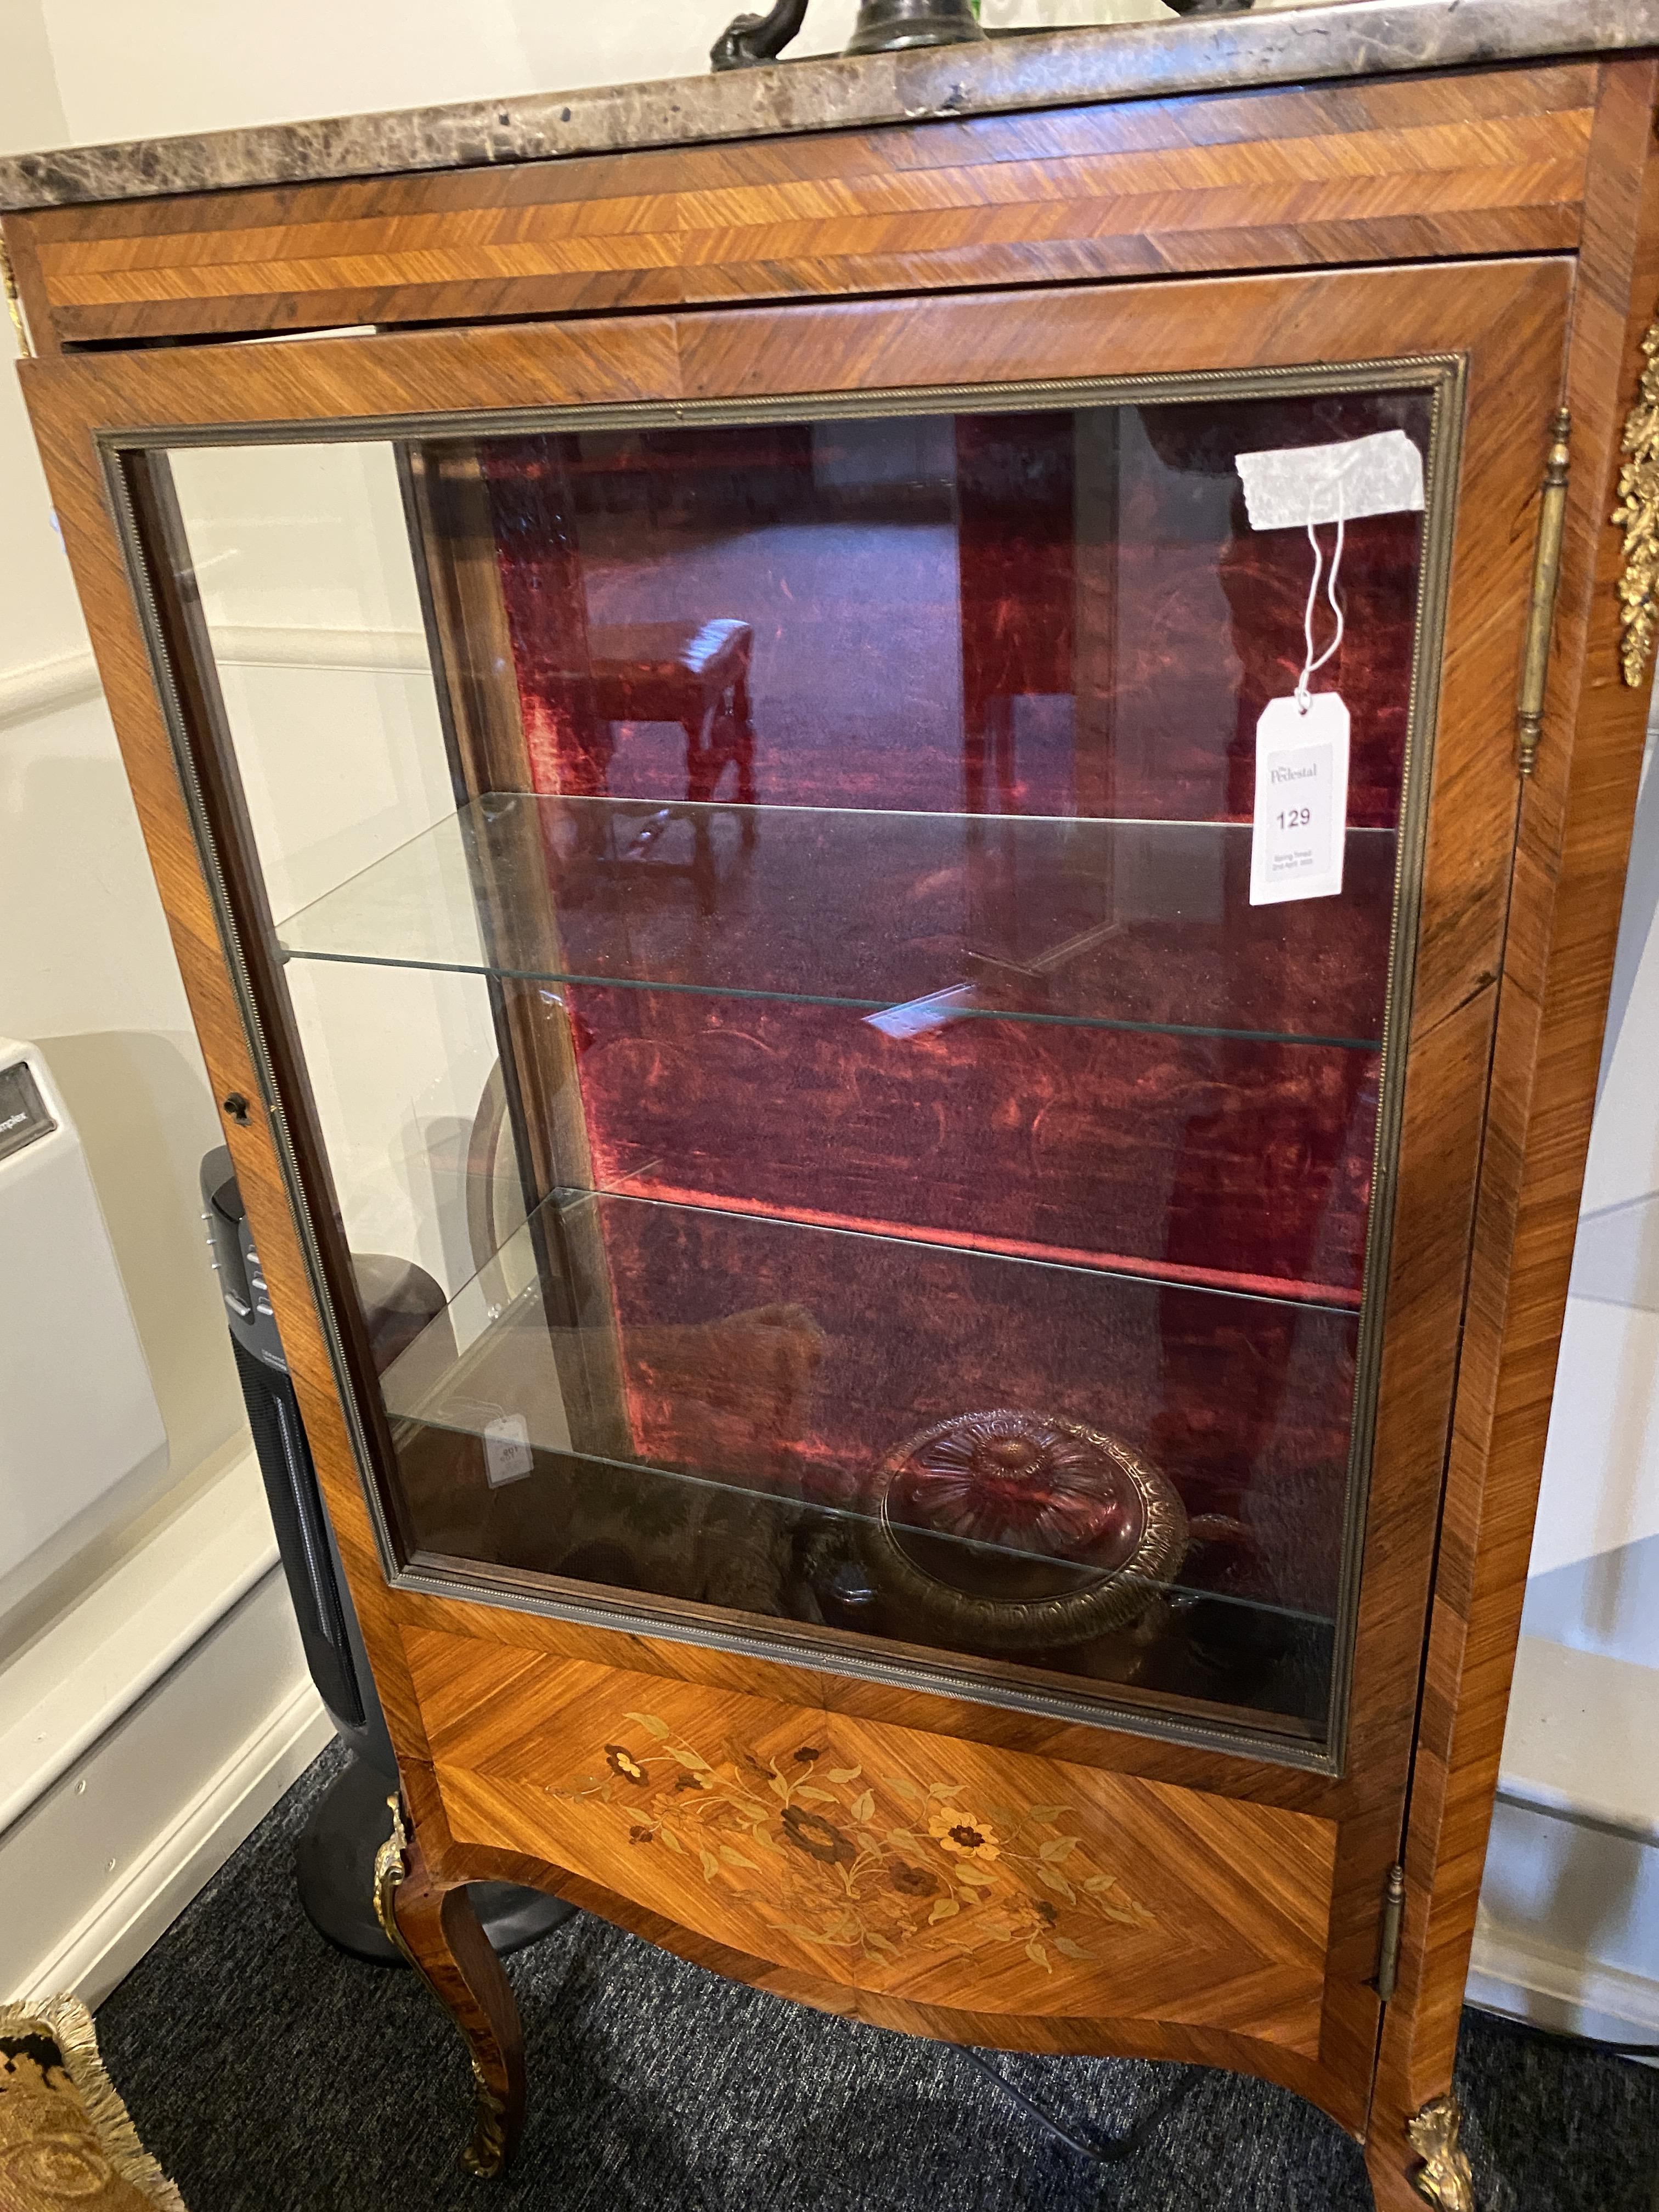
x,y
831,870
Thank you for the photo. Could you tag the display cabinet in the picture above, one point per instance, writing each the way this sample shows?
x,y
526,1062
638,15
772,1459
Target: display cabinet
x,y
897,844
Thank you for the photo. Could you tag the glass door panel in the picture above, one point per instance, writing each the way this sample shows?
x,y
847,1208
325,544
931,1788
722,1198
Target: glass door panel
x,y
834,1150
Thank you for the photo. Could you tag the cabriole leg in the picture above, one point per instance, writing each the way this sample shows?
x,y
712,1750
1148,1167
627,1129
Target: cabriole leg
x,y
439,1933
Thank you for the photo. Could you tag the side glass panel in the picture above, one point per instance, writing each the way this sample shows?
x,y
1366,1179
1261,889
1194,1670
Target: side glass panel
x,y
827,1140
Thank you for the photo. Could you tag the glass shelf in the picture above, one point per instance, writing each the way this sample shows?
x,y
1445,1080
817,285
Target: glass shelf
x,y
695,1405
882,1000
913,921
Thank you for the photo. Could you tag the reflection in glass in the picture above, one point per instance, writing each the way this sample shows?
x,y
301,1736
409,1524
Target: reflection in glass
x,y
808,1420
795,962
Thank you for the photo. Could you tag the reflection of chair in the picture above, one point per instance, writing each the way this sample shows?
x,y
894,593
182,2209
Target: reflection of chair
x,y
698,678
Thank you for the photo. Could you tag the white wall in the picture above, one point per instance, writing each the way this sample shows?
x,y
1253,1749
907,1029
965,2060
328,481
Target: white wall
x,y
175,65
170,65
1569,1926
309,593
110,1781
1605,1406
88,971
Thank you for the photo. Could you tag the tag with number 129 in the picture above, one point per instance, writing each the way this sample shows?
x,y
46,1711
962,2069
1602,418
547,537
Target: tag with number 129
x,y
1301,820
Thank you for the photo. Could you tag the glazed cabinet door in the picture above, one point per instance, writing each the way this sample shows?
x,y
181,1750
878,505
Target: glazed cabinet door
x,y
867,939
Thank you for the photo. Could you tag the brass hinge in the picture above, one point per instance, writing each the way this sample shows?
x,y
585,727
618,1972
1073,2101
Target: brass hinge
x,y
1387,1949
8,283
1546,577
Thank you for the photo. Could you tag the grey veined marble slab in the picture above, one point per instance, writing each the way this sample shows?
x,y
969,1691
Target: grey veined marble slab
x,y
1352,37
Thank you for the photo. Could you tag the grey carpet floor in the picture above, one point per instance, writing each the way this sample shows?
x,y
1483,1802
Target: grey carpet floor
x,y
268,2072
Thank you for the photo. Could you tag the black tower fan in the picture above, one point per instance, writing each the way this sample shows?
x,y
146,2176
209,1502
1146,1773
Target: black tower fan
x,y
334,1856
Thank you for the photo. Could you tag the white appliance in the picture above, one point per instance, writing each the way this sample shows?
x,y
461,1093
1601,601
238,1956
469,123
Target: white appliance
x,y
78,1418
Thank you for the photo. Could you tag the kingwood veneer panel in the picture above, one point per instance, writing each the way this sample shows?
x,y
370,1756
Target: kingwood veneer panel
x,y
886,1860
1381,171
1572,857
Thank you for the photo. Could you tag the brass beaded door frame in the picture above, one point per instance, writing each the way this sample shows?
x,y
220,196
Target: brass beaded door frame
x,y
131,456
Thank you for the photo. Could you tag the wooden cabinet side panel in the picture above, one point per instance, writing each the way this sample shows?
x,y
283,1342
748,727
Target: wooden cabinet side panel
x,y
123,667
1568,887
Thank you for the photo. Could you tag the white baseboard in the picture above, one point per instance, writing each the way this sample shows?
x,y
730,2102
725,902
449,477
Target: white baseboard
x,y
144,1730
1568,1936
45,686
1511,1972
103,1862
148,1598
134,1912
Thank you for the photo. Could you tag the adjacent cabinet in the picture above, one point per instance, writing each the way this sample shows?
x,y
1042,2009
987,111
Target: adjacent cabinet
x,y
898,854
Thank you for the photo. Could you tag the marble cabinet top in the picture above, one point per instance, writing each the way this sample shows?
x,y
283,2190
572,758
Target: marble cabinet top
x,y
1352,37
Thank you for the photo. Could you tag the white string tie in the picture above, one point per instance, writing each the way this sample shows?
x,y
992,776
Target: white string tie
x,y
1311,666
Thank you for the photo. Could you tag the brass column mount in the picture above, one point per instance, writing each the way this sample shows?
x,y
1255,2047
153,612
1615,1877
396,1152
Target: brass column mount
x,y
1445,2177
1546,580
1637,515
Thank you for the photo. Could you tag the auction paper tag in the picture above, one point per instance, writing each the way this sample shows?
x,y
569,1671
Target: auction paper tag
x,y
1294,487
1301,822
507,1455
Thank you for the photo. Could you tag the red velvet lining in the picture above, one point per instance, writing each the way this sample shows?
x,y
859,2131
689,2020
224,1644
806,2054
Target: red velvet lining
x,y
1249,1162
1245,1402
1047,614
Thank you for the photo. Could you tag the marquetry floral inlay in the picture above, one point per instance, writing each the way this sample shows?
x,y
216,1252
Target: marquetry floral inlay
x,y
877,1864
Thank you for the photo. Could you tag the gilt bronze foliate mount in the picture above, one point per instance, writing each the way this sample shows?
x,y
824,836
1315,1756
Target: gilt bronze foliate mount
x,y
890,27
1637,515
486,2154
1445,2177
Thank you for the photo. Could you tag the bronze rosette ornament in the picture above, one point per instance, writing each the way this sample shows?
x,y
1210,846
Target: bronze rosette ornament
x,y
1020,1531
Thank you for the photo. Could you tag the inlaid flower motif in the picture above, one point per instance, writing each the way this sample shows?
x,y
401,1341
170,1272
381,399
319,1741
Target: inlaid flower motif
x,y
913,1880
842,1857
813,1834
963,1834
